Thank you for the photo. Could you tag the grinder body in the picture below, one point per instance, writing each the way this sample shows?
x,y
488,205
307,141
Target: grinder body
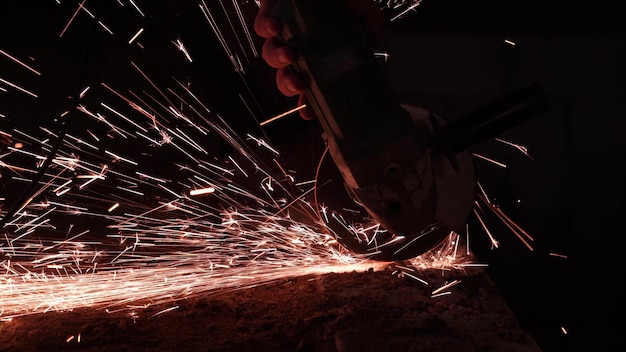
x,y
382,149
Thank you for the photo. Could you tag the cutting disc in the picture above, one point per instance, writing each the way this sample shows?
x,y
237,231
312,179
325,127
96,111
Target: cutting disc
x,y
351,225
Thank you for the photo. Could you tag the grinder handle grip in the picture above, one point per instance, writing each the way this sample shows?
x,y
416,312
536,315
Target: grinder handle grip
x,y
346,87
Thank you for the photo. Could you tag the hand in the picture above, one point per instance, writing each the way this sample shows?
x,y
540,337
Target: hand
x,y
280,57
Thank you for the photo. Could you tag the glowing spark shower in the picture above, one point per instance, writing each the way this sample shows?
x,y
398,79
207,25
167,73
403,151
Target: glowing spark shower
x,y
133,208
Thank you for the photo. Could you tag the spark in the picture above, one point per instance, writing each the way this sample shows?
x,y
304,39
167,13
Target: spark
x,y
80,6
509,42
424,233
494,243
21,63
130,190
164,311
412,5
87,11
123,117
237,166
558,255
244,26
23,90
141,174
385,56
80,141
445,287
137,8
180,46
220,37
497,163
197,192
91,178
67,206
117,157
422,281
521,148
62,192
298,108
483,192
521,234
235,33
83,92
135,36
104,26
263,143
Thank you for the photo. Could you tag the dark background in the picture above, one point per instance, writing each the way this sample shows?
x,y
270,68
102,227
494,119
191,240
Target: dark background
x,y
571,196
449,57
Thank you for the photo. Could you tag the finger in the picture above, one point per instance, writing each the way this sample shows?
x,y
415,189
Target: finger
x,y
264,25
288,83
307,112
277,55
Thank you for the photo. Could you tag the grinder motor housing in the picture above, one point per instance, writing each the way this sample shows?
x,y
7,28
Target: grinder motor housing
x,y
382,150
